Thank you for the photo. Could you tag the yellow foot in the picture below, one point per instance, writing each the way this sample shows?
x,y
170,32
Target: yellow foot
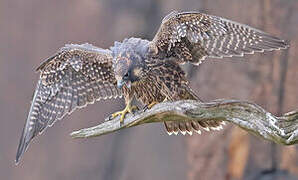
x,y
127,109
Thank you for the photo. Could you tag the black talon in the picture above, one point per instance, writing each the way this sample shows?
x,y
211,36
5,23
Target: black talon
x,y
145,108
110,117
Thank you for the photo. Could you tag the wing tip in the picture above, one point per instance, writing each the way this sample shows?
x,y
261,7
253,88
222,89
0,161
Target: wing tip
x,y
20,152
21,148
286,44
28,133
25,140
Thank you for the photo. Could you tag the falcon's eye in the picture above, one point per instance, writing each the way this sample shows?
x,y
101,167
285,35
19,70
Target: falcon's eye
x,y
125,77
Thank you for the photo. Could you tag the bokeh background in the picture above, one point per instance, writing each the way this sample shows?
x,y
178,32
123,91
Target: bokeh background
x,y
32,30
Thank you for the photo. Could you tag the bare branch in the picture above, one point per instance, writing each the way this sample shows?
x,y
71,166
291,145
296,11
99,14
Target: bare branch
x,y
249,116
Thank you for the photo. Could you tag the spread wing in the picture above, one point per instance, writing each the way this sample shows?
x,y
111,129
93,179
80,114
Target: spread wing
x,y
193,36
75,76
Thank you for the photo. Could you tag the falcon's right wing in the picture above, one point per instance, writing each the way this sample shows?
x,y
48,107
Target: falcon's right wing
x,y
75,76
193,36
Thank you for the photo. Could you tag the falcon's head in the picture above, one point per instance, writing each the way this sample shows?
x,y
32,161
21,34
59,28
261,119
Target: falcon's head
x,y
128,70
129,61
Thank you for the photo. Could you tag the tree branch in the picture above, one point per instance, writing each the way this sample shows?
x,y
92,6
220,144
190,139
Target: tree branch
x,y
249,116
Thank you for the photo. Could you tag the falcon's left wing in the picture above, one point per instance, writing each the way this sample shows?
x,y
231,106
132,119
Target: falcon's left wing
x,y
75,76
193,36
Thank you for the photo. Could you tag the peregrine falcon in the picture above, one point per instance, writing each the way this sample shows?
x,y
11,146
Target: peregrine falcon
x,y
148,71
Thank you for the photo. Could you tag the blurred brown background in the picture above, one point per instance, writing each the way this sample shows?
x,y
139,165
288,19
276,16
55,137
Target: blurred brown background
x,y
32,30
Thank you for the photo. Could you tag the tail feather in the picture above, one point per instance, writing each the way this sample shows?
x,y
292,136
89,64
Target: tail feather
x,y
192,126
195,125
188,127
182,127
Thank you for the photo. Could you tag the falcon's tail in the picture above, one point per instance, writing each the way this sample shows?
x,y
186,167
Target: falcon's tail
x,y
192,126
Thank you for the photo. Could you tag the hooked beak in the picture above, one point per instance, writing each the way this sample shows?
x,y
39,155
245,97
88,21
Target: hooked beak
x,y
121,83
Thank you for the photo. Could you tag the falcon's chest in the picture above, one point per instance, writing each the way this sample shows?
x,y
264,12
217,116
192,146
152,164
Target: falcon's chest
x,y
145,92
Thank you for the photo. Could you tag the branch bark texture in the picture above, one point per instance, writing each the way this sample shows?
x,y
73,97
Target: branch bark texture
x,y
247,115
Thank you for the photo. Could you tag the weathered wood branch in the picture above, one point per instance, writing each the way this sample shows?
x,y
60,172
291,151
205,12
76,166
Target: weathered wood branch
x,y
249,116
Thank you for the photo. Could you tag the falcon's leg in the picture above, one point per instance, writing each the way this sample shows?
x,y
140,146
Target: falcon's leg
x,y
128,109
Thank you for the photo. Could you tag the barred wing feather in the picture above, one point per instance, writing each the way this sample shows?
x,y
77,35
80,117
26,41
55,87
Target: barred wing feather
x,y
75,76
193,36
